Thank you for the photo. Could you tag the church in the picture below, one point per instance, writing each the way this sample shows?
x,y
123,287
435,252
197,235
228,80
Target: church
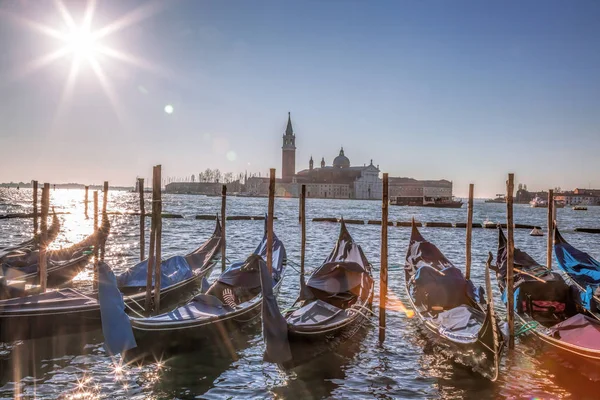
x,y
340,180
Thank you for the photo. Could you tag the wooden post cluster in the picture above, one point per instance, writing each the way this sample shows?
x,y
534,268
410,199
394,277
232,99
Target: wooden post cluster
x,y
510,186
469,232
383,274
142,220
86,200
550,228
96,247
303,235
270,221
223,223
35,208
43,272
154,258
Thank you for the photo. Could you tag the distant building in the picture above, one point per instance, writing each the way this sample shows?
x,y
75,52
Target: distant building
x,y
412,191
340,180
579,196
207,188
288,153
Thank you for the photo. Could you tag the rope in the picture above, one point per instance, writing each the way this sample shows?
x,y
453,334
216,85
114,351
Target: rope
x,y
523,329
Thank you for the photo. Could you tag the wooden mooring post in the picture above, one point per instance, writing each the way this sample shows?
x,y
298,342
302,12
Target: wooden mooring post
x,y
469,232
510,186
151,254
86,201
158,238
270,221
35,208
142,219
303,236
383,273
96,247
223,223
43,272
550,229
104,215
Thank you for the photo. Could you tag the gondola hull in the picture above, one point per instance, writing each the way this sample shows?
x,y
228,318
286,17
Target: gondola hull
x,y
26,326
306,345
156,341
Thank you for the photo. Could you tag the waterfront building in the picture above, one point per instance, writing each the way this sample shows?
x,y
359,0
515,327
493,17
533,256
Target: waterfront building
x,y
409,191
207,188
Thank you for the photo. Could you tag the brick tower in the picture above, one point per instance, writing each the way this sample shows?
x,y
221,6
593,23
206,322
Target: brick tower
x,y
288,153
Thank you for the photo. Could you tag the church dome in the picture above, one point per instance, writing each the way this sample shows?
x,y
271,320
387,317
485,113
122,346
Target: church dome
x,y
341,161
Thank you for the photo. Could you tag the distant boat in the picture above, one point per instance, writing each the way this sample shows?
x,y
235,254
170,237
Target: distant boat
x,y
536,232
539,202
425,201
500,198
580,208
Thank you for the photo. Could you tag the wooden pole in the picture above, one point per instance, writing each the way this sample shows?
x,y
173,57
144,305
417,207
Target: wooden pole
x,y
158,236
85,201
96,248
43,278
550,229
469,232
223,223
383,273
142,219
300,216
104,215
270,221
35,208
510,186
151,254
303,240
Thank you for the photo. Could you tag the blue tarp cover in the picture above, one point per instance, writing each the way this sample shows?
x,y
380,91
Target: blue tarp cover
x,y
580,266
173,270
118,334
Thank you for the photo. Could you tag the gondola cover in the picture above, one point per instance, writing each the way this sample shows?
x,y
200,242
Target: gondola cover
x,y
579,266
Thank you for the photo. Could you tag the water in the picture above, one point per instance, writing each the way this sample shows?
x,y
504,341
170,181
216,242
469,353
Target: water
x,y
404,367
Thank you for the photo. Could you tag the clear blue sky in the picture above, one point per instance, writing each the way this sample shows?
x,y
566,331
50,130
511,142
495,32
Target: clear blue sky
x,y
462,90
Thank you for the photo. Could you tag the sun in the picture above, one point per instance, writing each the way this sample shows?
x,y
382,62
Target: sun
x,y
84,45
81,43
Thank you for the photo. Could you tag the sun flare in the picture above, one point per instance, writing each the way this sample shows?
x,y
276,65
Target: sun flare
x,y
86,46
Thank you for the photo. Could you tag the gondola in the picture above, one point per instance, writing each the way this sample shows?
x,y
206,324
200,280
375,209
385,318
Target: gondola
x,y
62,264
231,302
30,245
581,270
454,314
181,276
333,304
549,308
69,311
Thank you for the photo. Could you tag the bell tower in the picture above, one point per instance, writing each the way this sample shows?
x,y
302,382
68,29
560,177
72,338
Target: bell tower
x,y
288,153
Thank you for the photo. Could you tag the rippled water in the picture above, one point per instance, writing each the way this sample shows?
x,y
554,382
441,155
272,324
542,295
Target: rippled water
x,y
404,367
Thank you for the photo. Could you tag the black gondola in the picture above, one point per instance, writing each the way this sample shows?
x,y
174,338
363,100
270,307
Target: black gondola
x,y
68,310
232,301
454,314
62,264
333,304
549,308
30,245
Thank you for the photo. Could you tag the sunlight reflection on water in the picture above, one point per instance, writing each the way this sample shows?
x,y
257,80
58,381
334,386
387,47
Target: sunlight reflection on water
x,y
406,366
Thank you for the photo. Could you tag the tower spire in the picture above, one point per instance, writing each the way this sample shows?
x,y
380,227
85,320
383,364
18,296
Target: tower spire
x,y
289,130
